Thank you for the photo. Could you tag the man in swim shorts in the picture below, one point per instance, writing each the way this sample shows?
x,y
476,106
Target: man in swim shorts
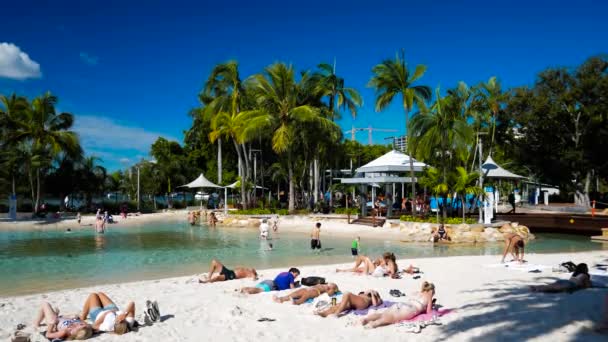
x,y
283,281
225,273
315,240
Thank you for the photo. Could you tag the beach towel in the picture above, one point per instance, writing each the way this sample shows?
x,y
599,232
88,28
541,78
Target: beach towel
x,y
525,267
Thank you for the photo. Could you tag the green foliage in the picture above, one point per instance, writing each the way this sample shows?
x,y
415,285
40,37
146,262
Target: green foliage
x,y
259,211
347,211
433,219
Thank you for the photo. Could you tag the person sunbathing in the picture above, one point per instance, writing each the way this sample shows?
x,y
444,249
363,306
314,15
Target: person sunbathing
x,y
62,327
580,279
283,281
389,260
352,301
226,274
106,316
412,307
300,296
363,264
514,244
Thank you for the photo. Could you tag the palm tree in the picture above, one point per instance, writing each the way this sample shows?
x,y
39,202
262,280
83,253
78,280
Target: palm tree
x,y
330,85
276,94
491,97
433,180
92,177
466,183
442,132
11,109
47,134
391,78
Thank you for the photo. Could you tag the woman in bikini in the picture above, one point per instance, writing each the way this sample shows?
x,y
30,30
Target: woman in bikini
x,y
580,279
300,296
419,303
105,314
62,327
367,265
352,301
514,244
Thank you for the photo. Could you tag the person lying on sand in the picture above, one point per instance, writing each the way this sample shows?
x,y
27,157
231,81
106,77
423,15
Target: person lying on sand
x,y
62,327
419,303
106,316
226,274
352,301
284,281
513,244
367,265
300,296
580,279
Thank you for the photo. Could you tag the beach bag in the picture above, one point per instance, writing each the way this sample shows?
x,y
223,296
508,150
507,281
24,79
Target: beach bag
x,y
311,281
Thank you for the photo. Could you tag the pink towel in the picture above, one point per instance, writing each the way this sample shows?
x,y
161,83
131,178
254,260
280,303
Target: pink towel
x,y
429,316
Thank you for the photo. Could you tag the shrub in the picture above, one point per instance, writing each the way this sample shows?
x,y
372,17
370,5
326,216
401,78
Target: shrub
x,y
433,219
347,211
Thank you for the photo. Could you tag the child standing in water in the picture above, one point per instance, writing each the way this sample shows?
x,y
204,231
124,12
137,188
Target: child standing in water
x,y
354,248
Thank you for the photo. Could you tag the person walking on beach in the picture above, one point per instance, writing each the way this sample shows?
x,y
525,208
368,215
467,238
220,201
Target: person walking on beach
x,y
315,237
512,202
226,274
354,248
284,281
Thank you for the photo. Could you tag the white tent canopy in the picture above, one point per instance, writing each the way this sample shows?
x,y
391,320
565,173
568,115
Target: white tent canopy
x,y
393,161
493,170
233,185
202,182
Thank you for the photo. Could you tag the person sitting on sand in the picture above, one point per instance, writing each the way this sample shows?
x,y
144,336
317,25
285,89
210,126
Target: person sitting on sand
x,y
352,301
580,279
300,296
413,306
62,327
441,234
513,244
284,281
226,274
106,316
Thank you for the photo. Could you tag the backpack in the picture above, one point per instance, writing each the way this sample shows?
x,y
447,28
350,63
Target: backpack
x,y
311,281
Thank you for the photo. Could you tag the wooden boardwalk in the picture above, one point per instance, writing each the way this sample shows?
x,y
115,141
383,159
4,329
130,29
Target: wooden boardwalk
x,y
559,222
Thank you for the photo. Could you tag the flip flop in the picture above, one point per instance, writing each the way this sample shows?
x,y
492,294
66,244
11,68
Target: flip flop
x,y
266,319
396,293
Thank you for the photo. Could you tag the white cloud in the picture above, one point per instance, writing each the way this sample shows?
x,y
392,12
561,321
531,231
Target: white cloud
x,y
114,140
89,59
16,64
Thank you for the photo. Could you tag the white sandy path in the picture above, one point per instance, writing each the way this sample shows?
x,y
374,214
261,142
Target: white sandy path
x,y
492,304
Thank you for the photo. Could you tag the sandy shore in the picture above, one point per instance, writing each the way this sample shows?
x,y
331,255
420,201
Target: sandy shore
x,y
491,303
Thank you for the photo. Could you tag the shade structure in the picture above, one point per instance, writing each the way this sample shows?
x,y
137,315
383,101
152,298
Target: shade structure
x,y
233,186
202,182
393,161
493,170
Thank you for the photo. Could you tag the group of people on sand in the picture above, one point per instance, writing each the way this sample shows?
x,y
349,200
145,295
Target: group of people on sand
x,y
103,314
386,265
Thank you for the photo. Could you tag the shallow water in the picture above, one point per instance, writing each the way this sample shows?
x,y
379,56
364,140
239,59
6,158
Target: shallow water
x,y
37,261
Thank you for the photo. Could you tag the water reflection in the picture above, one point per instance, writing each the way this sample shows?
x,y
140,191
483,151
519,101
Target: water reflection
x,y
100,242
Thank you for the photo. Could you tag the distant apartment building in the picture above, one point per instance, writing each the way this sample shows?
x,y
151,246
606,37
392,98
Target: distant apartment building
x,y
400,143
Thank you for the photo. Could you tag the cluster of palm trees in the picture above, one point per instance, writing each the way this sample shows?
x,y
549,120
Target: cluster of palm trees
x,y
297,116
37,144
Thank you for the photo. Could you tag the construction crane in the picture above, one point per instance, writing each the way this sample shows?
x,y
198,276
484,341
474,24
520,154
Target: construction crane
x,y
369,130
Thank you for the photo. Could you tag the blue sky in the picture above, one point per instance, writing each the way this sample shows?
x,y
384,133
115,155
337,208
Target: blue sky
x,y
130,70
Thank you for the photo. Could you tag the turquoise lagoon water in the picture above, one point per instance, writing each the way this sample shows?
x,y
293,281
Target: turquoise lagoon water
x,y
44,260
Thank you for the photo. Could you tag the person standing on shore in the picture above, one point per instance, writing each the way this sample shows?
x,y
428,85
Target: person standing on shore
x,y
78,218
315,237
264,228
354,248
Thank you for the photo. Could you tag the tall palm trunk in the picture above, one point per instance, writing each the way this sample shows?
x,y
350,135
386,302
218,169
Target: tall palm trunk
x,y
31,179
219,162
316,179
292,195
409,149
240,158
37,188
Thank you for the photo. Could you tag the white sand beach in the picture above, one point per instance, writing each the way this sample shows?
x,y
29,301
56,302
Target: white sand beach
x,y
491,303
